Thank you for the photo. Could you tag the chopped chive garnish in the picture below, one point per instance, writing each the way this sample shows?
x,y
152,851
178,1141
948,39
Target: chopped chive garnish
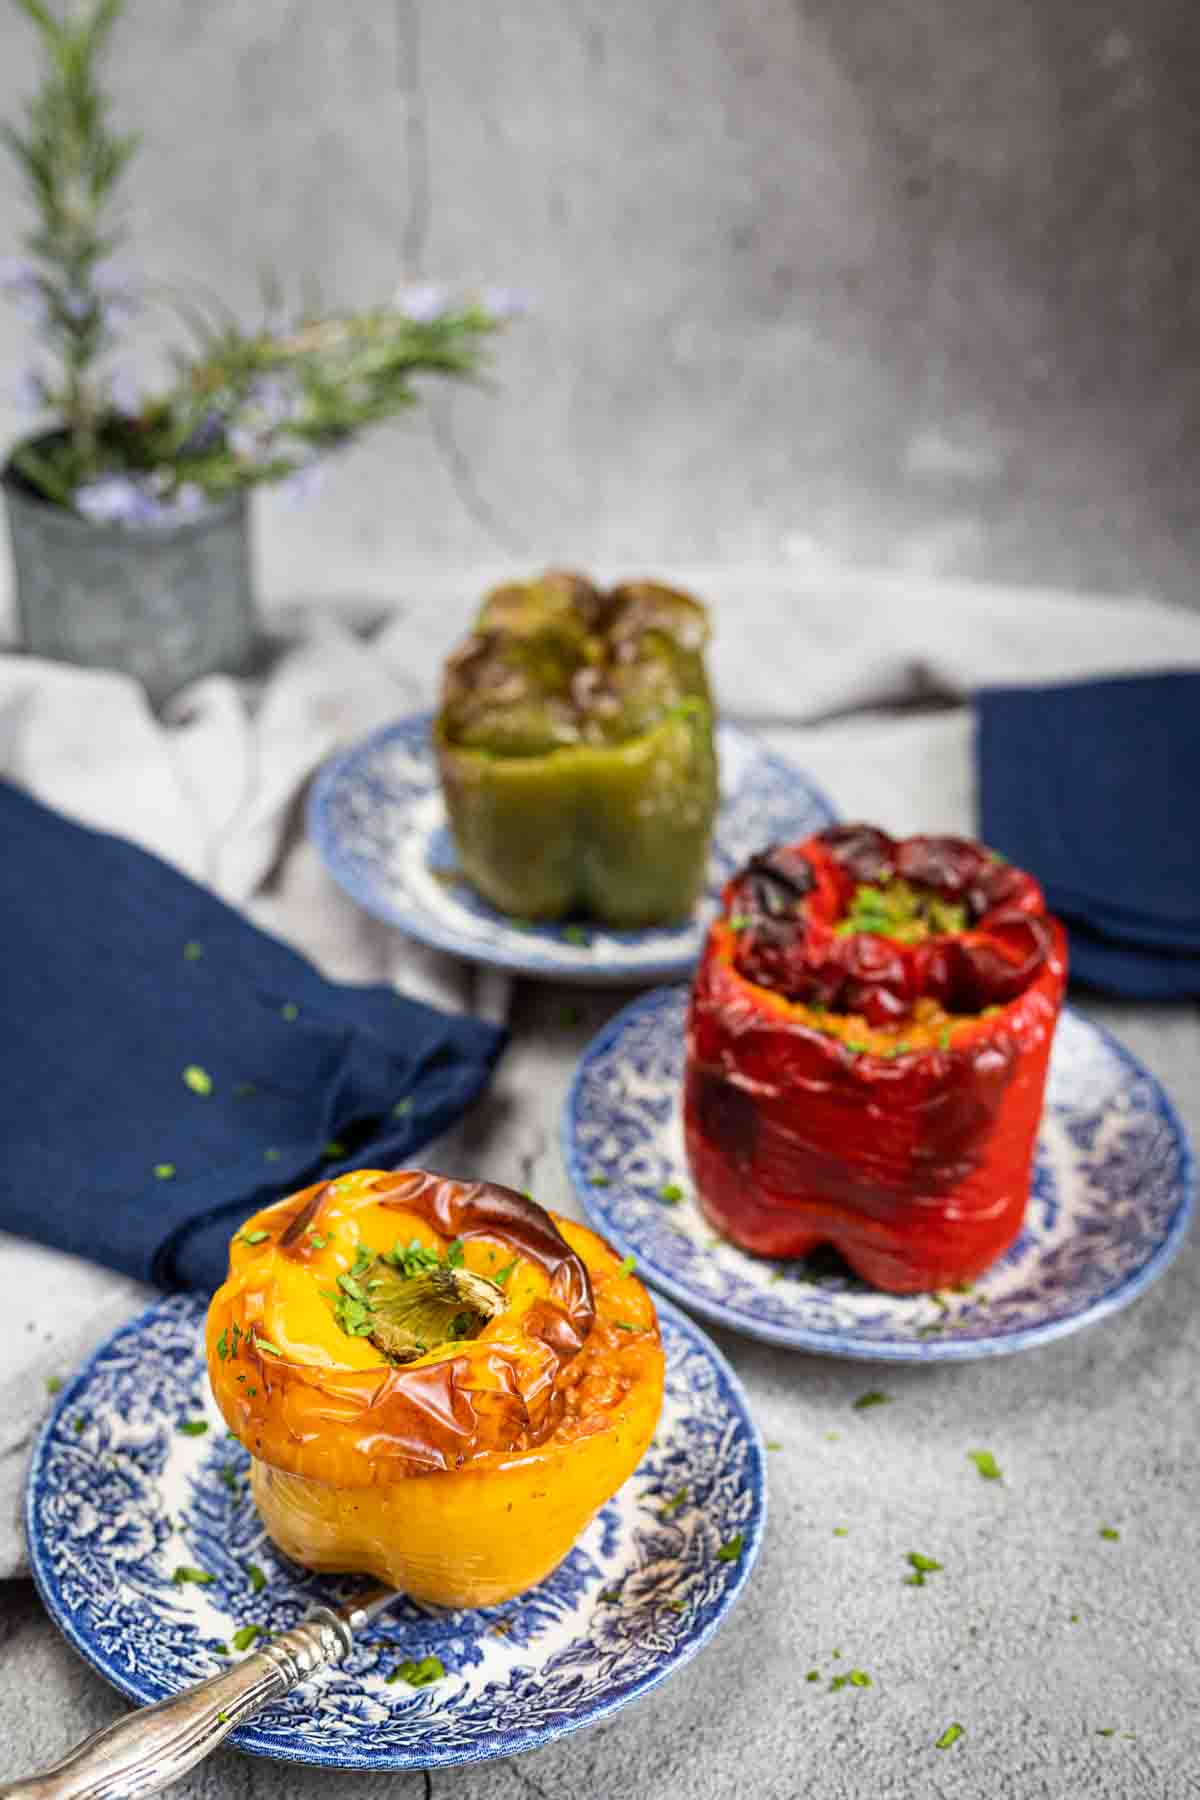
x,y
164,1171
1109,1532
873,1397
944,1039
670,1193
192,1427
950,1736
624,1325
256,1578
502,1275
628,1266
262,1343
986,1464
192,951
678,1498
253,1237
198,1079
926,1565
200,1577
455,1254
730,1551
317,1239
245,1636
289,1011
419,1674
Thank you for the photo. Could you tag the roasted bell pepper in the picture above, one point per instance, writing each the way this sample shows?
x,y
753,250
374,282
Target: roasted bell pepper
x,y
439,1383
867,1043
574,742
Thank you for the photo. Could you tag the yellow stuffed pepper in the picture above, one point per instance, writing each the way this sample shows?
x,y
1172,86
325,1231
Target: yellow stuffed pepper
x,y
439,1382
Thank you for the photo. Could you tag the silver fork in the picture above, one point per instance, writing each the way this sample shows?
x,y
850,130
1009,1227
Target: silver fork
x,y
149,1749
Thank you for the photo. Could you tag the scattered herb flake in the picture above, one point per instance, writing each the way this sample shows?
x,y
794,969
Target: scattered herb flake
x,y
774,1444
859,1678
455,1254
185,1572
222,1718
738,921
813,1675
950,1736
289,1011
253,1237
1111,1533
262,1343
192,950
678,1498
670,1193
838,1683
873,1397
79,1424
609,1595
624,1325
245,1635
402,1108
840,1531
503,1274
256,1578
730,1551
244,1089
333,1149
229,1477
192,1427
164,1171
575,934
572,1015
986,1464
1106,1731
944,1040
198,1079
924,1565
54,1384
317,1239
272,1155
419,1674
598,1178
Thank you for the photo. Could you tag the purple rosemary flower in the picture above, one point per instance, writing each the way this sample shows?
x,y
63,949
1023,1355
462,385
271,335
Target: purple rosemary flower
x,y
117,500
423,303
507,302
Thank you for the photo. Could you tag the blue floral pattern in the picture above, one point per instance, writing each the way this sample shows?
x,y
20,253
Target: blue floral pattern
x,y
1111,1197
122,1495
376,816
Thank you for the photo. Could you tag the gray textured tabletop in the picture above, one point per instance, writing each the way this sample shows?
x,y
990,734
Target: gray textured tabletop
x,y
1068,1658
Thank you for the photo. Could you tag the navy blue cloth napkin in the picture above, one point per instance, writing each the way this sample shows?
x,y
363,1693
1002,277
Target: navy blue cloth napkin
x,y
166,1067
1094,787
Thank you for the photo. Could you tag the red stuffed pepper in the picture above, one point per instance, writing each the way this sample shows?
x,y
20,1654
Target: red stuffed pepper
x,y
867,1044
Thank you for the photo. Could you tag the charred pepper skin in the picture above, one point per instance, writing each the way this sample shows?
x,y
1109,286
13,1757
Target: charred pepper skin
x,y
464,1475
910,1151
574,743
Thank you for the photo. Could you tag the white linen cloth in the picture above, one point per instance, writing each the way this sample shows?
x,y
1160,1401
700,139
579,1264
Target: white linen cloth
x,y
833,674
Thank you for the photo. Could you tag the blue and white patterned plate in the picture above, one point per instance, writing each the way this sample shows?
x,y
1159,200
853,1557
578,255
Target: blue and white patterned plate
x,y
119,1496
375,814
1112,1196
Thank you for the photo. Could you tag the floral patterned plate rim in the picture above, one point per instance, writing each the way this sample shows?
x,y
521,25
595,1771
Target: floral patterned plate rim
x,y
125,1488
375,814
1111,1199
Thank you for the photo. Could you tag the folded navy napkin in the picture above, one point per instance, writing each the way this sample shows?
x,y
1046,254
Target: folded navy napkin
x,y
1095,788
167,1067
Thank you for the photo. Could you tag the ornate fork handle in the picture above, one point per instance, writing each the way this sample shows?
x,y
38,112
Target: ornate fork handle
x,y
148,1750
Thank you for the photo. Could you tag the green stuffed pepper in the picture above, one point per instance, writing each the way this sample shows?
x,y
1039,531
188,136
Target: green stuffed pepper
x,y
575,746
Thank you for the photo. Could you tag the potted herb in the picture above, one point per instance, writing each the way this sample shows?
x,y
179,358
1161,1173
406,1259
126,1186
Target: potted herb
x,y
128,512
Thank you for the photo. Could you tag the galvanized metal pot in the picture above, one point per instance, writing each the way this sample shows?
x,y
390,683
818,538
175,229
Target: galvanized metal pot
x,y
164,602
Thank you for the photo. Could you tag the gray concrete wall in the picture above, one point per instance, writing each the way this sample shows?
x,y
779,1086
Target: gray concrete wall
x,y
909,285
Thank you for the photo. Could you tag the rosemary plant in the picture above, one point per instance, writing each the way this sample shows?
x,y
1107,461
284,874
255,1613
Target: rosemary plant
x,y
242,405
